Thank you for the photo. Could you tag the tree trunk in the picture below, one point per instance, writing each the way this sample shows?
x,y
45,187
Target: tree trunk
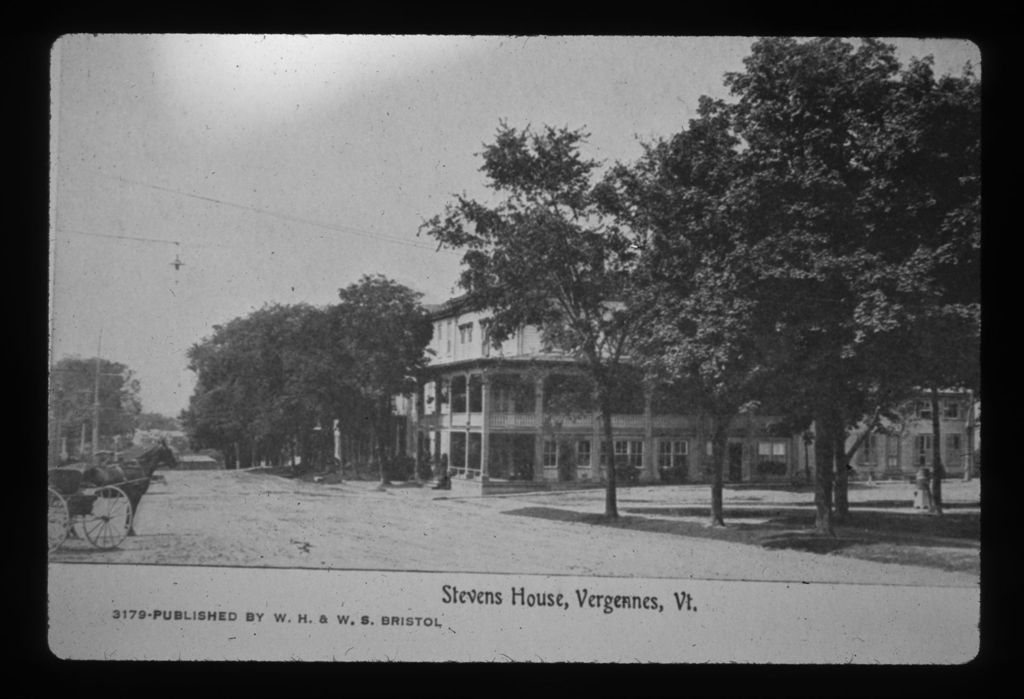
x,y
969,460
936,505
376,451
719,442
842,475
611,509
823,461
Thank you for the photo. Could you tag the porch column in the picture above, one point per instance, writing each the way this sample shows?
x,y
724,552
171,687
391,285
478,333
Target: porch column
x,y
538,442
747,465
647,473
466,428
414,436
485,404
969,455
700,461
451,424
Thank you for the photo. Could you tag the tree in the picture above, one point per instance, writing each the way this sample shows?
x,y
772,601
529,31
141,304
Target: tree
x,y
385,330
797,231
156,421
546,255
710,335
240,400
927,176
73,385
857,208
273,382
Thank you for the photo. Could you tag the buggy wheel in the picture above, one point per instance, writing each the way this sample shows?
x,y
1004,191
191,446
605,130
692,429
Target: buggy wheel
x,y
111,518
58,520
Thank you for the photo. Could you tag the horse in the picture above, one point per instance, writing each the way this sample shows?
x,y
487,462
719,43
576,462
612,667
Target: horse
x,y
133,477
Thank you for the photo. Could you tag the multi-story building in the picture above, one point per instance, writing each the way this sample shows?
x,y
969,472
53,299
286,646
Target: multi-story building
x,y
511,415
907,444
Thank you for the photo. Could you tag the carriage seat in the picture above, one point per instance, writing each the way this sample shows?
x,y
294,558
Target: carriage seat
x,y
65,480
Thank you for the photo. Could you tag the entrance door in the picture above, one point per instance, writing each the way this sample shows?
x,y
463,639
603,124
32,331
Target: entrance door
x,y
735,473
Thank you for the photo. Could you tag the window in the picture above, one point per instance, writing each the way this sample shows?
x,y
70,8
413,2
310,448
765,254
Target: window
x,y
771,458
923,449
892,451
672,460
448,336
636,456
465,334
476,394
672,453
952,409
953,453
550,452
629,452
502,400
923,409
867,453
458,393
511,396
583,452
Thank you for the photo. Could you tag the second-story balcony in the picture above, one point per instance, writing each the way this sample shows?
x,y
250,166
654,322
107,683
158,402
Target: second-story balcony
x,y
530,421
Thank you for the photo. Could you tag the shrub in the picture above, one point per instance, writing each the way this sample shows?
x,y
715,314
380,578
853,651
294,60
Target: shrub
x,y
672,474
771,468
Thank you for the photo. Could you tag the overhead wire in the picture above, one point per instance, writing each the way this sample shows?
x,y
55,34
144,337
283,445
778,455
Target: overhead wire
x,y
348,230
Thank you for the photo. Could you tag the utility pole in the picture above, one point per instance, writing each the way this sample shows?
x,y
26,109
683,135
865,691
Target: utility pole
x,y
56,429
96,400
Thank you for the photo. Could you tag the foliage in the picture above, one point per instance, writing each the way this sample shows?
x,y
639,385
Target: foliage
x,y
384,329
73,393
276,380
547,255
156,421
801,233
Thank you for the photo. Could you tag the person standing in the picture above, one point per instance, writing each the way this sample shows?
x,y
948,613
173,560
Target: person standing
x,y
923,494
444,481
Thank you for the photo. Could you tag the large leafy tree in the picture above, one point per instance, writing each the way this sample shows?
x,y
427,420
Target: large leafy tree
x,y
860,199
798,231
544,253
272,383
711,336
926,175
156,421
382,327
73,389
238,403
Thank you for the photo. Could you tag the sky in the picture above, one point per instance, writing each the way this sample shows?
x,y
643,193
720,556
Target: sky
x,y
279,169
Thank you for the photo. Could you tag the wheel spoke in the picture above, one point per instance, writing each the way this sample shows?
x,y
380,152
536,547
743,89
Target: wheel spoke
x,y
111,518
58,521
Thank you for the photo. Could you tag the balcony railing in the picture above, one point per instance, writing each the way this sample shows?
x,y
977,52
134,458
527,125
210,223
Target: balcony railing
x,y
512,420
529,421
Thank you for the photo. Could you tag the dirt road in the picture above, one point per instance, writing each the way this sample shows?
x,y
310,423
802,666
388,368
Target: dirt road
x,y
256,519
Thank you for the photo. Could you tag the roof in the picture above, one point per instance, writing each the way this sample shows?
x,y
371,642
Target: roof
x,y
449,307
197,458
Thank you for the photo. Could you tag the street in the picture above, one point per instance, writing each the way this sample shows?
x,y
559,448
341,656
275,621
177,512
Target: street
x,y
255,519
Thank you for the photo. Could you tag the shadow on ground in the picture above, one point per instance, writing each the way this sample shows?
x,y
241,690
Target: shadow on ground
x,y
950,542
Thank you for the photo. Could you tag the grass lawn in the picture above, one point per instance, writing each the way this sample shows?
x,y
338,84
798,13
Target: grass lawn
x,y
871,532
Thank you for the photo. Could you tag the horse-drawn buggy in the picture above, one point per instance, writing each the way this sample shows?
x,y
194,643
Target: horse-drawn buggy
x,y
99,503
